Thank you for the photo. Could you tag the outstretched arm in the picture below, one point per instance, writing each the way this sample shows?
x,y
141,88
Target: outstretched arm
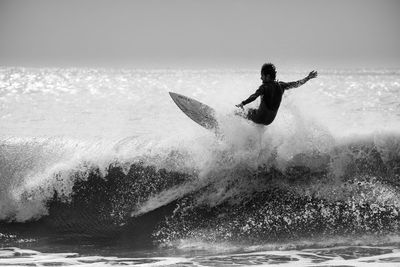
x,y
250,99
290,85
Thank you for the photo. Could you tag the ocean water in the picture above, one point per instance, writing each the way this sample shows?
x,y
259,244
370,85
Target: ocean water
x,y
98,167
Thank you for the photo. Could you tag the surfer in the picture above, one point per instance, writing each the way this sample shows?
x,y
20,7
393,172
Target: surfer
x,y
271,92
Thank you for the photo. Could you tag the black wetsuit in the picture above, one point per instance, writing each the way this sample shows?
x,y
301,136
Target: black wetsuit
x,y
271,96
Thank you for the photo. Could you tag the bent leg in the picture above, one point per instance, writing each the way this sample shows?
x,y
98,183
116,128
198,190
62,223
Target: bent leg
x,y
255,116
252,115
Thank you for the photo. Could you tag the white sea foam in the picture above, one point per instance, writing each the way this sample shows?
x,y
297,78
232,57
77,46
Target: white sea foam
x,y
333,256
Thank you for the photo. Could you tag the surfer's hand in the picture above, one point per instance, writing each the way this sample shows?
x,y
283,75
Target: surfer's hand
x,y
312,75
239,105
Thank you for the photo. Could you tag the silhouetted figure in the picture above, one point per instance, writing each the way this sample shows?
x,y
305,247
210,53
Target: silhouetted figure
x,y
271,92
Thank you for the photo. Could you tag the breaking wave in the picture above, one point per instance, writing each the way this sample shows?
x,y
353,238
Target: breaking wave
x,y
235,194
299,177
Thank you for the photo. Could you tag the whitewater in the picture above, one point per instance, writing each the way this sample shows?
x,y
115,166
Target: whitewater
x,y
100,167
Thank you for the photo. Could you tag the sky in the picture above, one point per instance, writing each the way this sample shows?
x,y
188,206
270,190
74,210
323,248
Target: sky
x,y
173,33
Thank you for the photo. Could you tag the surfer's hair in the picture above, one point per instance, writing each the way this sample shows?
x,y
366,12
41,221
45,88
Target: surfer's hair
x,y
268,68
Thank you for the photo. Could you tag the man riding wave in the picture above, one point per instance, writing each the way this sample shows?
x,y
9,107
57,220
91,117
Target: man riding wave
x,y
271,92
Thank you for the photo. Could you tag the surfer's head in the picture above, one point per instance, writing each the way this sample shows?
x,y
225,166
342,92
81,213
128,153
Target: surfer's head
x,y
268,72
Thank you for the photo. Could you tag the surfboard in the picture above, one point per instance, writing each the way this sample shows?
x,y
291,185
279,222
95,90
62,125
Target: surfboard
x,y
197,111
